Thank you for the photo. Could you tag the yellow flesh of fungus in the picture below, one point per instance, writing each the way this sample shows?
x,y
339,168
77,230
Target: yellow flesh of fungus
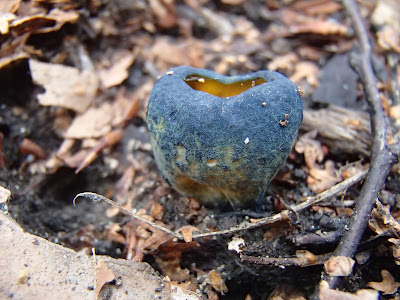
x,y
219,89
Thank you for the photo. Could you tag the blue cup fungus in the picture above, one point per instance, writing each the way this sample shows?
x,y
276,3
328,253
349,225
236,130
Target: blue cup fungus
x,y
221,139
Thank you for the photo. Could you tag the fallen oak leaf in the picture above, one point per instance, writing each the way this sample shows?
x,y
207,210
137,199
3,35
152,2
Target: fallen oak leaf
x,y
118,72
65,86
387,286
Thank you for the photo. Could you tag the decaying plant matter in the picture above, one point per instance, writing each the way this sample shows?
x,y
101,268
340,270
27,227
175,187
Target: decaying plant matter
x,y
76,79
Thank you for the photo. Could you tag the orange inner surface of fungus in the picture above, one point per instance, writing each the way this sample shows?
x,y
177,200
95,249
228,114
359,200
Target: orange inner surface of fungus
x,y
219,89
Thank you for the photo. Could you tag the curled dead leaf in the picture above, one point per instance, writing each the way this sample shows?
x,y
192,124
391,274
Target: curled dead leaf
x,y
387,286
311,148
339,266
320,179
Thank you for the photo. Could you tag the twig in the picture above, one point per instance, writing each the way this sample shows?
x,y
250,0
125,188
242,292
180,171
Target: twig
x,y
317,239
309,201
393,62
96,198
299,261
285,213
381,158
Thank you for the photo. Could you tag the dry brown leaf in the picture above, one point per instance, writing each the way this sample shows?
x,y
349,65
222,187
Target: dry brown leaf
x,y
386,217
172,250
306,70
320,180
316,7
233,2
43,23
108,140
339,266
284,62
72,160
325,293
124,107
118,71
389,39
187,232
103,276
387,286
4,61
165,12
172,269
386,12
247,30
298,23
311,148
306,256
169,53
375,224
112,234
94,123
65,86
156,211
394,112
217,282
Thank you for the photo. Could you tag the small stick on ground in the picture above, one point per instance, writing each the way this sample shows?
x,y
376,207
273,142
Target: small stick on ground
x,y
286,261
381,157
309,201
96,198
285,213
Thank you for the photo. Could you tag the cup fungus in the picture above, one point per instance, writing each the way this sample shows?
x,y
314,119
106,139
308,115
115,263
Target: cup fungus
x,y
221,139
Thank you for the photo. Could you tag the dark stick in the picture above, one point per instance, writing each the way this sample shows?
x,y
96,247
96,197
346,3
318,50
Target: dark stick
x,y
393,62
287,261
381,157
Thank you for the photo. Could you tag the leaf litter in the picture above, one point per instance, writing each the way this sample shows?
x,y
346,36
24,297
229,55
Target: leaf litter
x,y
99,94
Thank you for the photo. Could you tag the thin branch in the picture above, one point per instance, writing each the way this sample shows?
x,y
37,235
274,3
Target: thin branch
x,y
381,158
393,62
309,201
299,261
96,198
317,239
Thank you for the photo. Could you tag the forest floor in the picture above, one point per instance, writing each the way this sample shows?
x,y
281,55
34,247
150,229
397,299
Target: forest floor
x,y
75,79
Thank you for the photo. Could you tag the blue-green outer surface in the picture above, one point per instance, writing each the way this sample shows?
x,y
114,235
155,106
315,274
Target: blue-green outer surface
x,y
222,150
